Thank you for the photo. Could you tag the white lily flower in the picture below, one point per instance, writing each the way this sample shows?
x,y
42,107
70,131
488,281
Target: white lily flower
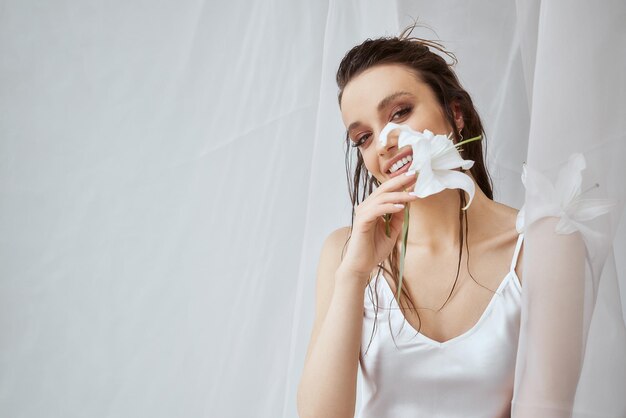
x,y
562,200
435,157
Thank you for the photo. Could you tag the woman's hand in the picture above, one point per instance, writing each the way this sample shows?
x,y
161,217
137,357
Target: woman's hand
x,y
369,245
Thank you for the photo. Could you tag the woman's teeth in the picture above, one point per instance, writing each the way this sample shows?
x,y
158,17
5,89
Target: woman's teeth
x,y
398,164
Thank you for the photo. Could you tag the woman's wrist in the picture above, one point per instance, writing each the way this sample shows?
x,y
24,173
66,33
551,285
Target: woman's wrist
x,y
346,277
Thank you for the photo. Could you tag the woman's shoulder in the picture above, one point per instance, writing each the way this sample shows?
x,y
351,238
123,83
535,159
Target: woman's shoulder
x,y
507,235
495,231
502,219
506,209
340,233
337,239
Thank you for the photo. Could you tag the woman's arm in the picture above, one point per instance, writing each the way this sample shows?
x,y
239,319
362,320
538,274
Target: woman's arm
x,y
328,385
553,329
329,378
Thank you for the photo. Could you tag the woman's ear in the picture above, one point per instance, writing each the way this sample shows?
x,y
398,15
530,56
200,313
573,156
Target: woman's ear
x,y
458,116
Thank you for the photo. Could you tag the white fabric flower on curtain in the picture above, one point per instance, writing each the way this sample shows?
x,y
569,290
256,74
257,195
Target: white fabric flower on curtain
x,y
435,158
562,200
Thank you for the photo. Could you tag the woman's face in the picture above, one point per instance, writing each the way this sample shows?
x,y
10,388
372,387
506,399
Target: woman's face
x,y
389,93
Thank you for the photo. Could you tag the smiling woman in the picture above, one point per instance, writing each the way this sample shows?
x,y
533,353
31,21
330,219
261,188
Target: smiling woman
x,y
449,328
473,313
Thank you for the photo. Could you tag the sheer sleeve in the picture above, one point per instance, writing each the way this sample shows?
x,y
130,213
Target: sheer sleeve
x,y
551,345
572,330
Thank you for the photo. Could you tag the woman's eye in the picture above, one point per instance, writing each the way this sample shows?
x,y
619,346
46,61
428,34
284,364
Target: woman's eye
x,y
401,112
360,141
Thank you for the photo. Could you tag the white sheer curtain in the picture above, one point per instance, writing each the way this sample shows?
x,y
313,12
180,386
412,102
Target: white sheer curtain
x,y
573,342
169,170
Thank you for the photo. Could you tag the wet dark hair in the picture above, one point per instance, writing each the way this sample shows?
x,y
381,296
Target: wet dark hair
x,y
419,57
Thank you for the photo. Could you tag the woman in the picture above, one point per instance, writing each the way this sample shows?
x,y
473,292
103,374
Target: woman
x,y
450,349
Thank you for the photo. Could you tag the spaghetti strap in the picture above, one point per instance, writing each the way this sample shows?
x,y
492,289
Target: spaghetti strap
x,y
518,246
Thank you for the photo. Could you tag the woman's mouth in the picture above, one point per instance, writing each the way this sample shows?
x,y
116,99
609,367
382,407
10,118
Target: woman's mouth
x,y
404,168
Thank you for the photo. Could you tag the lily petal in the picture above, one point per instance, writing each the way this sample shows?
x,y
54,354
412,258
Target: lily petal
x,y
392,126
587,209
407,138
451,159
430,182
541,191
439,144
565,225
421,156
568,182
427,184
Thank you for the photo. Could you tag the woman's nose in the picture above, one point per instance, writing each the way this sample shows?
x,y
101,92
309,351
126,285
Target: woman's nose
x,y
392,141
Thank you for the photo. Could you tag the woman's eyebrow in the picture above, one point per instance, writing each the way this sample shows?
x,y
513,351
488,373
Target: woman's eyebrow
x,y
385,102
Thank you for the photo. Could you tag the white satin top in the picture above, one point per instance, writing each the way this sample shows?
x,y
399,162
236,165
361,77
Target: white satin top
x,y
469,376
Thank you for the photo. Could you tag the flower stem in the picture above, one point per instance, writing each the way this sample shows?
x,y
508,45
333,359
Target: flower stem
x,y
405,230
387,217
476,138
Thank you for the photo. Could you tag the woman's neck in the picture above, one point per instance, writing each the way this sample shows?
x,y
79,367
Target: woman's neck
x,y
434,220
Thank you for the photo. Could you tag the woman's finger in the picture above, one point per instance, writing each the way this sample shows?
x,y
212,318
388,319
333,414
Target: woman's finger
x,y
370,214
400,182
